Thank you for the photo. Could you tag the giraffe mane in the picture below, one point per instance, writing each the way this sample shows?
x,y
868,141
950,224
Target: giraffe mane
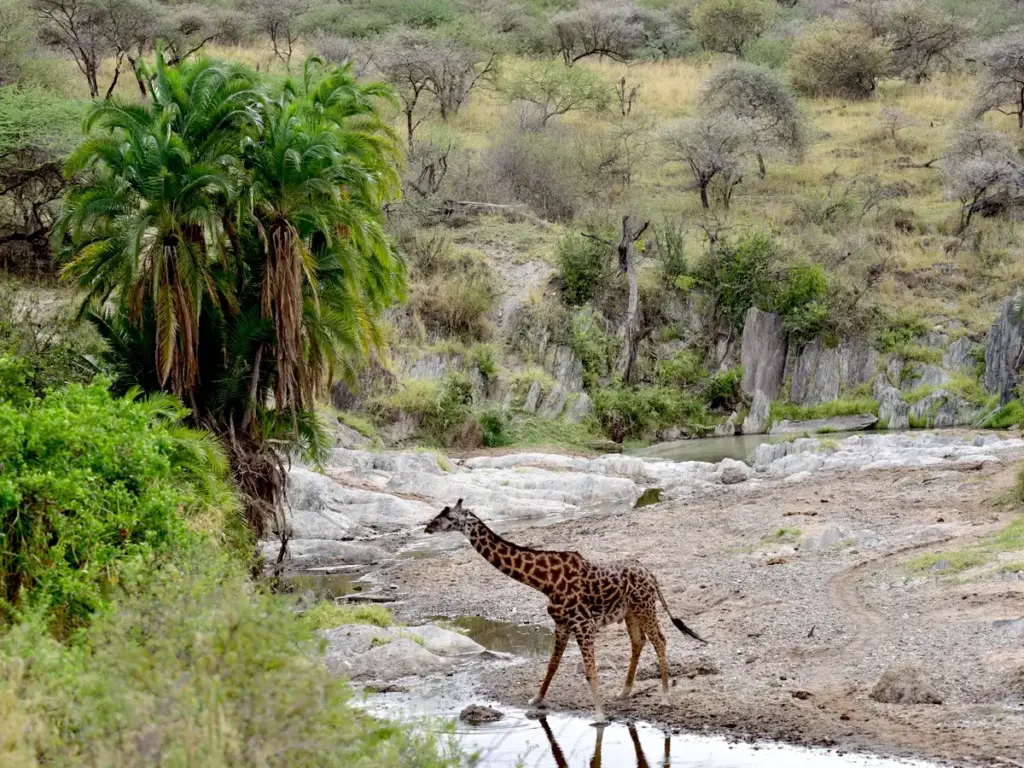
x,y
521,547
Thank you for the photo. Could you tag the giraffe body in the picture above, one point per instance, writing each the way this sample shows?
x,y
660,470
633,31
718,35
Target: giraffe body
x,y
582,597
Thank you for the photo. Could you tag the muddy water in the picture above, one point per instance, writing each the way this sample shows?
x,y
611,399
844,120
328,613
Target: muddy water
x,y
524,739
714,449
505,637
327,585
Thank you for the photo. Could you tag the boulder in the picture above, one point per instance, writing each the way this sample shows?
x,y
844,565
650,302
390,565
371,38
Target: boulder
x,y
554,402
924,375
475,714
893,411
444,642
350,640
834,424
905,684
434,367
532,397
758,418
763,353
959,356
733,472
581,409
726,429
943,409
566,368
1004,352
397,658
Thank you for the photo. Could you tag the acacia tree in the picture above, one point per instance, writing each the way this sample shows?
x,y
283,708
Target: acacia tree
x,y
553,90
754,94
230,242
75,26
923,39
712,148
279,21
453,70
615,29
982,163
1001,88
730,26
839,59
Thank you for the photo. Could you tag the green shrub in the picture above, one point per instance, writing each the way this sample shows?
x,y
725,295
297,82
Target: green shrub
x,y
670,248
91,484
637,413
436,409
494,424
192,667
684,370
596,347
839,58
731,26
802,300
723,389
583,264
1006,416
843,406
485,360
740,275
327,615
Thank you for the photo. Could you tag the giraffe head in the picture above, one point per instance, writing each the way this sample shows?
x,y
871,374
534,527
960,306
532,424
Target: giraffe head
x,y
455,518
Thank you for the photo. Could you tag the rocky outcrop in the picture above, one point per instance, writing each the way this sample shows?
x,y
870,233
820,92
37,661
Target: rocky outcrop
x,y
855,423
581,409
818,372
893,411
942,409
728,427
763,353
959,356
1004,352
759,416
563,364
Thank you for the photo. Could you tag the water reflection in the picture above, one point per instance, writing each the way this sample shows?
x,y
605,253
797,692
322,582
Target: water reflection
x,y
595,761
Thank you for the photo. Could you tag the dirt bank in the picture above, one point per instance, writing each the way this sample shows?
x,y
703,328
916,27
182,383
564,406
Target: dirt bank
x,y
804,593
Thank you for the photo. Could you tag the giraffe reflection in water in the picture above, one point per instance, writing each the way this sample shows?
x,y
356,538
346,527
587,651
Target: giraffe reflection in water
x,y
595,761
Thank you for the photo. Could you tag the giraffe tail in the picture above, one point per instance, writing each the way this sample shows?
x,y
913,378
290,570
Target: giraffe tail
x,y
678,623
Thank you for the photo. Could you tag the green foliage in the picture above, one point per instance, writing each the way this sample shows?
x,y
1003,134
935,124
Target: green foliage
x,y
637,413
328,615
436,409
554,89
583,264
731,26
494,423
839,58
901,332
957,560
528,431
670,249
1010,539
39,119
723,389
91,484
802,300
596,347
485,360
740,275
685,369
1006,416
191,667
53,348
847,406
359,423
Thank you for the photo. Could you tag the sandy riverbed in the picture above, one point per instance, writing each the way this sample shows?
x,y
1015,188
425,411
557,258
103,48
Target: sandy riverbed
x,y
801,625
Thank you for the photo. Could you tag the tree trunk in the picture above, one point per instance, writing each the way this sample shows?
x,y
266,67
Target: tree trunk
x,y
254,382
630,329
704,194
409,127
762,171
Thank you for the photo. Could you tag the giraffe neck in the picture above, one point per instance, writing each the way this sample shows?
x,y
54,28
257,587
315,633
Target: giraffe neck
x,y
524,565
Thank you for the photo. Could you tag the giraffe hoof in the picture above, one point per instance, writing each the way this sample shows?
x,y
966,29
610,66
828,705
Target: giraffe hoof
x,y
537,702
624,694
600,720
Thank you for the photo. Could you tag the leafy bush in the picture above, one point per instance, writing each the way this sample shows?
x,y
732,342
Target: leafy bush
x,y
637,413
192,667
685,369
802,300
485,360
731,26
92,484
494,424
453,292
670,248
436,409
327,615
839,59
595,346
723,389
845,406
583,264
740,275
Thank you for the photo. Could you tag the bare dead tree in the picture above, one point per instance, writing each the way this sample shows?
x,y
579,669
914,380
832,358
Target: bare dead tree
x,y
432,160
712,147
627,94
1001,88
75,27
629,331
984,171
278,20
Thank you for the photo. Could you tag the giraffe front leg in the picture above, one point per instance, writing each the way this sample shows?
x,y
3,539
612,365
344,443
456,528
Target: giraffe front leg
x,y
561,640
585,633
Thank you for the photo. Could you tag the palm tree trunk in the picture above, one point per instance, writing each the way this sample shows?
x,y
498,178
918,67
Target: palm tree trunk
x,y
254,382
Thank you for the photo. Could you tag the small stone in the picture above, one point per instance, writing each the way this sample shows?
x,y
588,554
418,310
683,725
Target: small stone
x,y
802,695
777,561
475,714
941,565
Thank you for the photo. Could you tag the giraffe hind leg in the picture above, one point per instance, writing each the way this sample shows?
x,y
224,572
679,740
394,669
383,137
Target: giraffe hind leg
x,y
649,622
636,640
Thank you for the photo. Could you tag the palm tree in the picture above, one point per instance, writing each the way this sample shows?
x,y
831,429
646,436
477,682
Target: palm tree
x,y
145,217
230,243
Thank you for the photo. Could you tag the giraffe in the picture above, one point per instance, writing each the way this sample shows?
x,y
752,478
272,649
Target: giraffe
x,y
582,598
